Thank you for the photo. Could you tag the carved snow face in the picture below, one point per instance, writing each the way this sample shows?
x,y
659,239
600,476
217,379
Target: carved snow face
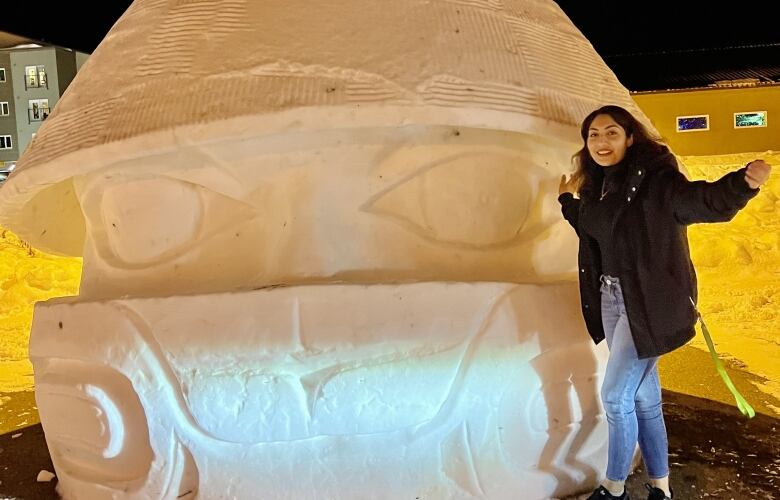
x,y
375,205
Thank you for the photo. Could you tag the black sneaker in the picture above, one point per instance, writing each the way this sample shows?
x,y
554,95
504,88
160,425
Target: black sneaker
x,y
654,493
602,493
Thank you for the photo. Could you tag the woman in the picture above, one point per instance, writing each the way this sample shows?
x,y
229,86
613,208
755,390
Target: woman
x,y
637,282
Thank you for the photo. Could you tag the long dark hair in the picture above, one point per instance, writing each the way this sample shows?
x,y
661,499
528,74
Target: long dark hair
x,y
588,174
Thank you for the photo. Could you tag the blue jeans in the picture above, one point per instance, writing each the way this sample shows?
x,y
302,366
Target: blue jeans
x,y
631,394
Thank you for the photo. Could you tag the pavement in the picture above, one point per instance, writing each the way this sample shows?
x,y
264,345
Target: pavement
x,y
716,453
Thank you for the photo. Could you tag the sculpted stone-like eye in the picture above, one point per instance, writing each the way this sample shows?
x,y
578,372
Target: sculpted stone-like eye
x,y
471,199
136,218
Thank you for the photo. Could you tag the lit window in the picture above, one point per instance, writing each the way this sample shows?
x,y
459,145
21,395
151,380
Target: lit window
x,y
5,142
750,119
695,123
38,109
35,76
32,76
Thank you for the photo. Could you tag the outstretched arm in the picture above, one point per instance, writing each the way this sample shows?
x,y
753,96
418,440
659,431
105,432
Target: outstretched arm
x,y
718,201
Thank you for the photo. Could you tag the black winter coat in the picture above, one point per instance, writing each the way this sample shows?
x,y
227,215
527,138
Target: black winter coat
x,y
650,241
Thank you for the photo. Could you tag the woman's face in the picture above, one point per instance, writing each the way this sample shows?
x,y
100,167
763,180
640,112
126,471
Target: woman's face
x,y
607,141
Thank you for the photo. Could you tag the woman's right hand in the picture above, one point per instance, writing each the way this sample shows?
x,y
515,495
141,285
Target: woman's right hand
x,y
566,186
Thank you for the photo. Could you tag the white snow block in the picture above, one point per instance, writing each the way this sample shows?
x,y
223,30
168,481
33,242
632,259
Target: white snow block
x,y
429,390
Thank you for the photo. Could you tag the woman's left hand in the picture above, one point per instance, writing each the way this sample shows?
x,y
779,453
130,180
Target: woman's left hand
x,y
757,173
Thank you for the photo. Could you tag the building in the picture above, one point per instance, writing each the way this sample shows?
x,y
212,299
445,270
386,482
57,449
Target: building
x,y
708,101
32,78
734,116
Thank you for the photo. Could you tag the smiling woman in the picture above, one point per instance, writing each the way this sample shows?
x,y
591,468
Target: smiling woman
x,y
636,272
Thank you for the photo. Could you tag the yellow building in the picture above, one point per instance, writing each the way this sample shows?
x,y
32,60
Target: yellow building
x,y
716,120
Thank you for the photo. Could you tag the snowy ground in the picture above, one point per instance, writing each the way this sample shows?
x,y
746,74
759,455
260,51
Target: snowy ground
x,y
738,264
26,276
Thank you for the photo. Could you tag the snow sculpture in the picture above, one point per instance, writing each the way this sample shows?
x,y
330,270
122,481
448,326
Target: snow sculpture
x,y
322,253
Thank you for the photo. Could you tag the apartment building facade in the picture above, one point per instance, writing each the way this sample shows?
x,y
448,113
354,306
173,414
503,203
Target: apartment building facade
x,y
32,79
